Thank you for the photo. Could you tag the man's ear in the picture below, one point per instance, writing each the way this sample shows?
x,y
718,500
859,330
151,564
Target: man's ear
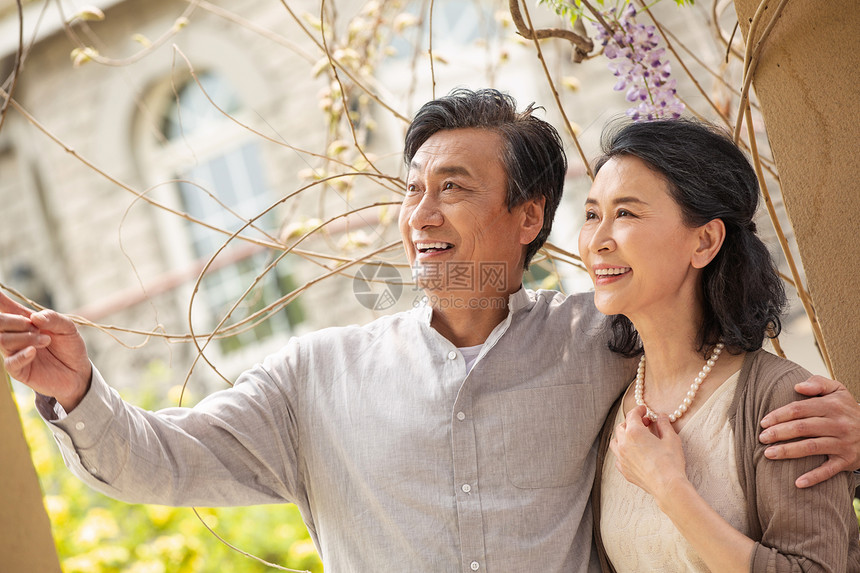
x,y
532,219
711,236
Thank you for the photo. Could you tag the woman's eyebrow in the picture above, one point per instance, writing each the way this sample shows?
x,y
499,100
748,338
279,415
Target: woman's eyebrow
x,y
617,200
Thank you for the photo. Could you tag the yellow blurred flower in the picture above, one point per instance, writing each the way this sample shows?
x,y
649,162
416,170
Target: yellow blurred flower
x,y
98,525
302,549
160,515
57,508
147,567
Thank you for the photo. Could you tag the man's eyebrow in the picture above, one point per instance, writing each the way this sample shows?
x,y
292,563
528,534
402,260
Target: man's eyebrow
x,y
453,170
618,200
443,170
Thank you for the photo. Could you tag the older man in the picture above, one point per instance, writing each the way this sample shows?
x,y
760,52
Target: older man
x,y
458,436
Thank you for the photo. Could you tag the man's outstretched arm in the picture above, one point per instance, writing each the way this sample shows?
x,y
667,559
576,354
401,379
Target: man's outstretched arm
x,y
236,447
828,424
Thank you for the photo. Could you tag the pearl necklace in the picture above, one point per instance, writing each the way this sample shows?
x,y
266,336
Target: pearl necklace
x,y
639,387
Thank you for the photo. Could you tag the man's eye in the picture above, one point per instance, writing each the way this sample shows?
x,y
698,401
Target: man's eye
x,y
449,185
411,189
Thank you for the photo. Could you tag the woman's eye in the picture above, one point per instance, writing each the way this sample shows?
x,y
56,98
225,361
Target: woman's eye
x,y
590,215
624,213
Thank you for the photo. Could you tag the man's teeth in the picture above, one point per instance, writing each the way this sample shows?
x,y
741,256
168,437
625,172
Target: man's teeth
x,y
609,272
424,247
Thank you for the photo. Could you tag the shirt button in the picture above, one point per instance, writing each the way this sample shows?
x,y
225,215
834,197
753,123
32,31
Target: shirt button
x,y
461,416
474,566
466,488
452,355
80,426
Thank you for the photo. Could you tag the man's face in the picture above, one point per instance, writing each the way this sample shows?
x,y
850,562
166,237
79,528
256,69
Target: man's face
x,y
456,227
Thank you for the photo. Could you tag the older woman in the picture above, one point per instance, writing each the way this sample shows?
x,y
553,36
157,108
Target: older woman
x,y
670,244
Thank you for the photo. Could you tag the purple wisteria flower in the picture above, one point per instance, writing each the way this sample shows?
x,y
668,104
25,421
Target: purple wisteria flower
x,y
640,66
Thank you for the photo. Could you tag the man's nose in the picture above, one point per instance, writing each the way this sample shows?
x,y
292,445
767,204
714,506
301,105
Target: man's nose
x,y
427,213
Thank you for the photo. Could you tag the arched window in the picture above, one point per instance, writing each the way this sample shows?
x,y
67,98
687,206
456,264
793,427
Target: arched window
x,y
222,183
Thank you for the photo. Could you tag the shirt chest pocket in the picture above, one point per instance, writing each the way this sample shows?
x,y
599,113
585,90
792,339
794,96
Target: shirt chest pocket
x,y
548,432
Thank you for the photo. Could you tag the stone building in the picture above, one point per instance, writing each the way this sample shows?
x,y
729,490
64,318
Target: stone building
x,y
77,230
107,157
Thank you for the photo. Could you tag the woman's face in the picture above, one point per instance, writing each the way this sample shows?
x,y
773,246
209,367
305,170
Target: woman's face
x,y
635,245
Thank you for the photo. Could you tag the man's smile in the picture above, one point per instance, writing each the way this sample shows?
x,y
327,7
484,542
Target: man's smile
x,y
432,246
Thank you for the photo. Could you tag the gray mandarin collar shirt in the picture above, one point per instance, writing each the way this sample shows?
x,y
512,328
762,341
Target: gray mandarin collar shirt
x,y
398,458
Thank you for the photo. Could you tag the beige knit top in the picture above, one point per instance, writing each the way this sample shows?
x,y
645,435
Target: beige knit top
x,y
637,535
810,529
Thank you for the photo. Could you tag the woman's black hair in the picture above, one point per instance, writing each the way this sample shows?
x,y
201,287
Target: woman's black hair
x,y
709,177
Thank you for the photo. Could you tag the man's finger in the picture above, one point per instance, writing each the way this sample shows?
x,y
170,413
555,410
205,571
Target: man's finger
x,y
9,306
822,473
15,323
53,321
817,386
813,407
802,448
801,428
16,363
12,342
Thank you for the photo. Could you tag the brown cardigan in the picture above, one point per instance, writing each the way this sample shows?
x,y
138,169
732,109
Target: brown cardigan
x,y
811,529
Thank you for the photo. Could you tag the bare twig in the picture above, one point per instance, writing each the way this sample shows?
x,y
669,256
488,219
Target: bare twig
x,y
582,45
783,242
16,69
343,96
178,25
430,51
345,70
245,553
598,15
256,28
680,61
752,53
551,84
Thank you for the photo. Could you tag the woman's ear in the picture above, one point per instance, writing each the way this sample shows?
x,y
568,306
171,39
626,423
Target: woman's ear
x,y
532,219
711,236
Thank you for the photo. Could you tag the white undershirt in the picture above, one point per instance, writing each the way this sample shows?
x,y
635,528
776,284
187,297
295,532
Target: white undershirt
x,y
470,355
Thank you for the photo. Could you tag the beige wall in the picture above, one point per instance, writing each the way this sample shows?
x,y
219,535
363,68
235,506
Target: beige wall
x,y
806,81
26,545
